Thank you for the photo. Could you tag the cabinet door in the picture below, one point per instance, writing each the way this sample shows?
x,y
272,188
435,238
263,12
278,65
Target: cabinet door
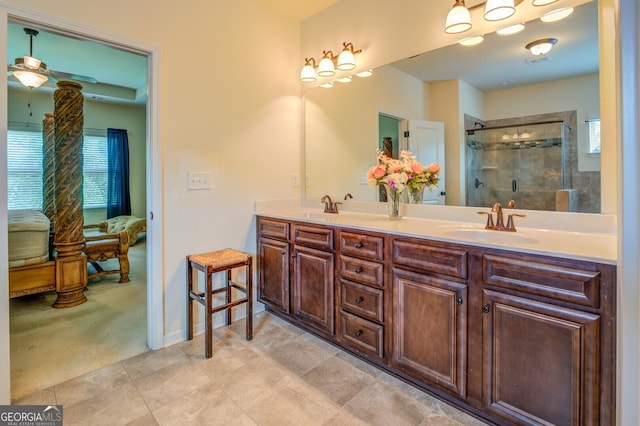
x,y
540,362
273,283
430,329
313,302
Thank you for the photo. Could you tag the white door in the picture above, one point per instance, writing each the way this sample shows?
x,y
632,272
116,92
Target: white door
x,y
425,139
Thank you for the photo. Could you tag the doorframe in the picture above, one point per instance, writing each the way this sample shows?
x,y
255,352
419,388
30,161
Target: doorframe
x,y
154,178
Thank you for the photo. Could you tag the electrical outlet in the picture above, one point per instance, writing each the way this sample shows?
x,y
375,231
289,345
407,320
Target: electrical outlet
x,y
198,180
363,179
295,180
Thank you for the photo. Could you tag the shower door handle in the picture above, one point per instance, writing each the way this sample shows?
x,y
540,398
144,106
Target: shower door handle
x,y
514,185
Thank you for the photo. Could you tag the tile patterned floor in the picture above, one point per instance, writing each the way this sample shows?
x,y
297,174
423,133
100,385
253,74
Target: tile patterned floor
x,y
284,376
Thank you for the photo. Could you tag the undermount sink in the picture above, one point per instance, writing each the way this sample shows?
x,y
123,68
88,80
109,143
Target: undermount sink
x,y
489,236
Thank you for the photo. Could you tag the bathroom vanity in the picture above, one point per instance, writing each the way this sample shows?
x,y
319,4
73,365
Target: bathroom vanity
x,y
509,333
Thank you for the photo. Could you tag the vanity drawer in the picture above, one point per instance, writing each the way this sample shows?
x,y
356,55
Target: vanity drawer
x,y
431,258
362,300
362,271
273,228
362,335
363,246
313,236
558,282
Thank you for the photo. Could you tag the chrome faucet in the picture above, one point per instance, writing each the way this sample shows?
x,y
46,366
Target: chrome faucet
x,y
329,206
499,225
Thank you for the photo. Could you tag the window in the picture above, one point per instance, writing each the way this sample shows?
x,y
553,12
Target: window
x,y
594,135
24,170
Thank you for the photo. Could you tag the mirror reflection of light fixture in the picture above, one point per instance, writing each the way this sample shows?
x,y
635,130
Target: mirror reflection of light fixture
x,y
308,72
365,73
345,79
325,67
496,10
458,19
347,58
542,46
327,85
556,15
542,2
511,29
471,41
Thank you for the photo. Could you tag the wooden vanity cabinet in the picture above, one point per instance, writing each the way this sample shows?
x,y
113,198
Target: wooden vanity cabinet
x,y
514,338
548,340
430,306
296,271
361,294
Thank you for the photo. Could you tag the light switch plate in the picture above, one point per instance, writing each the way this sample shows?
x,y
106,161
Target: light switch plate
x,y
198,180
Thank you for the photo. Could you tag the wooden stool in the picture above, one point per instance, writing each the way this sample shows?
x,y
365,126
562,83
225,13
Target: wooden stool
x,y
210,263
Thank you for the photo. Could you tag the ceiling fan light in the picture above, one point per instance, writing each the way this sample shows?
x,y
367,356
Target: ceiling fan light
x,y
496,10
32,62
541,47
542,2
30,79
511,29
458,19
308,74
556,15
325,68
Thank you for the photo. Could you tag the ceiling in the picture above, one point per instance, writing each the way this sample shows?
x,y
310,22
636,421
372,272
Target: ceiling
x,y
122,75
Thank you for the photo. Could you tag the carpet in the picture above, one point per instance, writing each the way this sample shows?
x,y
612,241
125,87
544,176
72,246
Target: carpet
x,y
49,346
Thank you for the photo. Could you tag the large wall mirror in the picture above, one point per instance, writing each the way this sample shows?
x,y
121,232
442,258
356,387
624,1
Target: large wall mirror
x,y
491,98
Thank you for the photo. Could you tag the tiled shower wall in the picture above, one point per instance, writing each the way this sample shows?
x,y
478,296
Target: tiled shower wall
x,y
535,163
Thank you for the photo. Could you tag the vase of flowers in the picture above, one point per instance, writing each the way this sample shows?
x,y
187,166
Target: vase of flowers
x,y
397,175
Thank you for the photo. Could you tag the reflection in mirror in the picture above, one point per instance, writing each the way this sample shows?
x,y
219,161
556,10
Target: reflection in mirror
x,y
497,83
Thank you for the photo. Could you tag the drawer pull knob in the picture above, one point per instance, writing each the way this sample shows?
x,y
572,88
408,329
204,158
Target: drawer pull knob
x,y
358,245
358,270
458,300
359,300
283,252
485,309
359,333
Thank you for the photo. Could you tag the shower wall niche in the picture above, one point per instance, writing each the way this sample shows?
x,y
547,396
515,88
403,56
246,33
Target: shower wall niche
x,y
527,163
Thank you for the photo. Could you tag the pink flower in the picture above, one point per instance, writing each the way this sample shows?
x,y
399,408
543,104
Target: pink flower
x,y
433,168
378,171
416,168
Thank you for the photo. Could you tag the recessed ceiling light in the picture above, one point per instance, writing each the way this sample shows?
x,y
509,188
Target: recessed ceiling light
x,y
511,29
471,41
556,15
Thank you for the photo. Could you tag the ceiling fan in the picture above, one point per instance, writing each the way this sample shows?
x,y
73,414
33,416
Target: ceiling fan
x,y
32,72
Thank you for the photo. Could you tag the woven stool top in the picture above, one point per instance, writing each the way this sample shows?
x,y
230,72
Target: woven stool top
x,y
220,258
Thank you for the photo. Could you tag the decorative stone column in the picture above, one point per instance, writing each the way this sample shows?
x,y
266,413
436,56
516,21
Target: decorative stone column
x,y
49,169
71,263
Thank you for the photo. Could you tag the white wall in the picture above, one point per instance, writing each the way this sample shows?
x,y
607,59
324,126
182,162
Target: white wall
x,y
577,93
97,115
241,122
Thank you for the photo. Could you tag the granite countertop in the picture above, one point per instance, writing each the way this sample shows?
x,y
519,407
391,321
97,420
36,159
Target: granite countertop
x,y
598,247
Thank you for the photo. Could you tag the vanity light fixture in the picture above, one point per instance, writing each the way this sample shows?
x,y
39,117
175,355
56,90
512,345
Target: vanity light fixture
x,y
497,10
325,67
542,2
347,58
542,46
308,72
556,15
471,41
459,17
511,29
